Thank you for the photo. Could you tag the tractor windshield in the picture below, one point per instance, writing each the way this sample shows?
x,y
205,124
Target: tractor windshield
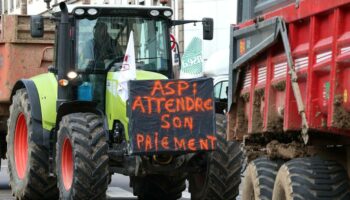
x,y
102,43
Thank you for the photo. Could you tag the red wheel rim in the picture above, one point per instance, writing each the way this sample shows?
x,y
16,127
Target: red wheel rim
x,y
21,146
67,164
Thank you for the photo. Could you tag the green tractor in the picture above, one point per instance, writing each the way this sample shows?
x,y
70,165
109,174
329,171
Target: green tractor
x,y
69,130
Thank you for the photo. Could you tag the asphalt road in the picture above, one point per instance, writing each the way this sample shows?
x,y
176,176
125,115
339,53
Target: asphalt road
x,y
118,189
5,190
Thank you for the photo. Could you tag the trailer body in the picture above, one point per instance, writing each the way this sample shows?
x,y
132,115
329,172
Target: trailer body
x,y
262,99
21,56
288,100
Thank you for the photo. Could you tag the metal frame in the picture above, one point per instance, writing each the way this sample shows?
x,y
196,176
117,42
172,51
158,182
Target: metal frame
x,y
279,30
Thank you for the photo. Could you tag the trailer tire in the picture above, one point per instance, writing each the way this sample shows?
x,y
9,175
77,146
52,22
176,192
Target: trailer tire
x,y
311,178
158,187
259,179
27,161
222,176
81,157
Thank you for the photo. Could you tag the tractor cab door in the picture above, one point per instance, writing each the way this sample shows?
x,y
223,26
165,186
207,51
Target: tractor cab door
x,y
98,48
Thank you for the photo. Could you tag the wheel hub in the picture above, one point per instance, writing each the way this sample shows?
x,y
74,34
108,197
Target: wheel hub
x,y
67,164
21,146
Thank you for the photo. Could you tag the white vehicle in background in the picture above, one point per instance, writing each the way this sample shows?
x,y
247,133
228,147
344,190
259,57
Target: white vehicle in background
x,y
217,67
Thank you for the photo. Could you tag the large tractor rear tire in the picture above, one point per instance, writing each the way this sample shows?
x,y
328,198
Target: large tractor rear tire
x,y
27,161
311,179
158,187
81,158
221,178
259,179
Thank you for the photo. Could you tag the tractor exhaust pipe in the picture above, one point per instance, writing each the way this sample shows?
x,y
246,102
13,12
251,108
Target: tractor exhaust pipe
x,y
63,60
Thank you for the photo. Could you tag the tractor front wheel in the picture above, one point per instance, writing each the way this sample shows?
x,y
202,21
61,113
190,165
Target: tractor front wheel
x,y
81,158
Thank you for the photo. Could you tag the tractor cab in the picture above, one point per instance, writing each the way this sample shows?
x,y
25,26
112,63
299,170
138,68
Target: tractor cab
x,y
102,33
91,41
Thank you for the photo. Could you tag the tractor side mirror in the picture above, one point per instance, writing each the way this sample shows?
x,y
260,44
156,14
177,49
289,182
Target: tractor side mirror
x,y
208,28
37,26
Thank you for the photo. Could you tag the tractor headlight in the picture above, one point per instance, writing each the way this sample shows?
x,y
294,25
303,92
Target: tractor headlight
x,y
167,13
79,11
92,11
154,13
72,75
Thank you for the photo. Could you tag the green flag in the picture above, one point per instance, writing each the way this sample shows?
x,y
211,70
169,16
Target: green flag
x,y
192,63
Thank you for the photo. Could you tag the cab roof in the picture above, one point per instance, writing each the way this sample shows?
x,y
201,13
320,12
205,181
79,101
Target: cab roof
x,y
71,7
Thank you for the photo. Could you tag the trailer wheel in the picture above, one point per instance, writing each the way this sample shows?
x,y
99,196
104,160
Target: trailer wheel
x,y
81,157
222,176
259,179
311,178
158,187
27,162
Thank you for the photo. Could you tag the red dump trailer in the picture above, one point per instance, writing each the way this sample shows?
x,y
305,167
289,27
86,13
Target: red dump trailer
x,y
289,97
21,56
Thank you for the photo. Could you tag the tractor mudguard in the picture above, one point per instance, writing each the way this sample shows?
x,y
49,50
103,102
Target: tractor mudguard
x,y
80,106
46,85
41,136
75,107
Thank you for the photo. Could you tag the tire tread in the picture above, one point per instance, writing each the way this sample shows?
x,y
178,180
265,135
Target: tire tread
x,y
91,158
224,174
314,178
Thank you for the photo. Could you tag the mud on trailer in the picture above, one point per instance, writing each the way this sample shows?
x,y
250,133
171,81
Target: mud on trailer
x,y
288,98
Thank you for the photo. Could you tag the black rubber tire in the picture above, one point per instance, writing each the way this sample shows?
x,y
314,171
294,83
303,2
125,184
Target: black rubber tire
x,y
86,134
311,178
158,187
222,175
36,183
259,179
